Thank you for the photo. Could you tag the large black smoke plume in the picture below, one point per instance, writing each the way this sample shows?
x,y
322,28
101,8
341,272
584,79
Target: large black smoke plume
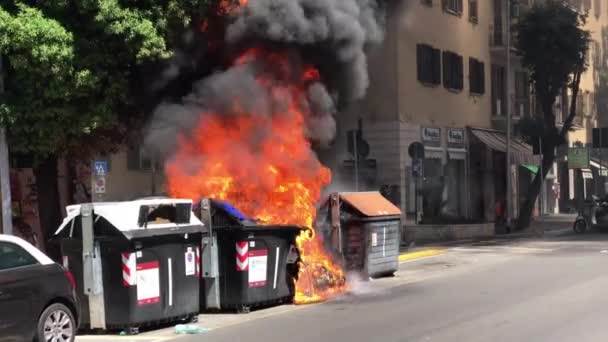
x,y
331,35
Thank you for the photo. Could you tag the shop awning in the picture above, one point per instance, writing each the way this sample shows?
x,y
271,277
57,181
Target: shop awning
x,y
587,174
532,168
521,153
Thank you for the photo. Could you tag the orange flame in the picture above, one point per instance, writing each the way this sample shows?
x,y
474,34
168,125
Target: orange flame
x,y
262,163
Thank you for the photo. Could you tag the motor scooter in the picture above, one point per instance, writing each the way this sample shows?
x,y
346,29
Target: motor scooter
x,y
592,215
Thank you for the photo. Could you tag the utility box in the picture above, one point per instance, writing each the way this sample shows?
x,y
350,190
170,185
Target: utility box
x,y
251,264
364,230
135,263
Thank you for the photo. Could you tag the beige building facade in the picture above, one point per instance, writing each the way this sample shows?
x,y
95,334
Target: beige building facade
x,y
440,79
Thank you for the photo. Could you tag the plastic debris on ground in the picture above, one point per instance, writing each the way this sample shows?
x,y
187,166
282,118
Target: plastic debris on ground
x,y
190,329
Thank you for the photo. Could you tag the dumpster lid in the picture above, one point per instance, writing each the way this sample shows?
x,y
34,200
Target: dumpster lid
x,y
231,210
370,204
125,215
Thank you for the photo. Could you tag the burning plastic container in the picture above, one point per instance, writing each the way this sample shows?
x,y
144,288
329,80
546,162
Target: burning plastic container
x,y
363,228
245,264
135,263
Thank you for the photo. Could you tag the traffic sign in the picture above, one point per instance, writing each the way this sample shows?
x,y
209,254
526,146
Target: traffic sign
x,y
417,168
100,185
416,150
101,168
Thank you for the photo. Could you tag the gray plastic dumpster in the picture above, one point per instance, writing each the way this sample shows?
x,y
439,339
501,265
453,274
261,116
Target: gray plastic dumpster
x,y
364,230
135,263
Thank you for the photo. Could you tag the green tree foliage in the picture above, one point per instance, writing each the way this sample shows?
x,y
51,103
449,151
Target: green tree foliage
x,y
72,68
73,74
552,43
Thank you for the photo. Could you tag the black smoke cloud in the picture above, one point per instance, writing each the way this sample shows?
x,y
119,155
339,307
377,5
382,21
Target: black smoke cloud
x,y
333,35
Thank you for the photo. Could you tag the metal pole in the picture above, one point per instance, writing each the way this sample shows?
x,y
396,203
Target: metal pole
x,y
600,175
356,157
5,183
5,186
508,105
542,180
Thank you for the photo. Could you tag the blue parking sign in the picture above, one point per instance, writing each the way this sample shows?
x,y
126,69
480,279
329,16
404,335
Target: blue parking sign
x,y
101,168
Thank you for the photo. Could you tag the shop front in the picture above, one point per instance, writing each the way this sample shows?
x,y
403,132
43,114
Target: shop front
x,y
443,188
488,165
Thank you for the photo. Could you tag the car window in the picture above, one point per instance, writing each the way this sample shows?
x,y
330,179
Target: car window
x,y
12,256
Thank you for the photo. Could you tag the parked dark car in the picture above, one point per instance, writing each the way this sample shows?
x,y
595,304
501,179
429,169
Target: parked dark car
x,y
38,300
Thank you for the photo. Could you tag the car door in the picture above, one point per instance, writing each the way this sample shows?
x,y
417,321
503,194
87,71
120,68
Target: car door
x,y
18,277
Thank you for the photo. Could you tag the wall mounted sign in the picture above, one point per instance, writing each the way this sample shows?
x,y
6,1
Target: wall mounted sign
x,y
431,136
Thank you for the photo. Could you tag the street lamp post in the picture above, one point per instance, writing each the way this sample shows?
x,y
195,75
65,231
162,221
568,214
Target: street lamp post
x,y
508,192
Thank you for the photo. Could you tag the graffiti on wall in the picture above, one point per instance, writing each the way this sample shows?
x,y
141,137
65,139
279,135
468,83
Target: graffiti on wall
x,y
24,196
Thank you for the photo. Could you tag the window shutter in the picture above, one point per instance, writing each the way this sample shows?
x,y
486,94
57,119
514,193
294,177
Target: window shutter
x,y
460,72
447,76
436,66
133,159
420,61
472,75
482,77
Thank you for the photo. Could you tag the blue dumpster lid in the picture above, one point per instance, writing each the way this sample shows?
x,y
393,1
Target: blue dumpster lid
x,y
232,211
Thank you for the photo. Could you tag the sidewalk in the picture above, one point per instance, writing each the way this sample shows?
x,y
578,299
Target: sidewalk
x,y
547,225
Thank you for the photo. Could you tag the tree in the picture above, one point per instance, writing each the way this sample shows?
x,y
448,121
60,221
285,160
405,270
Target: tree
x,y
552,44
73,80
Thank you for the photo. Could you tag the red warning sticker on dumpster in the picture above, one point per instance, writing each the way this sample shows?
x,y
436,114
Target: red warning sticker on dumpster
x,y
258,267
148,283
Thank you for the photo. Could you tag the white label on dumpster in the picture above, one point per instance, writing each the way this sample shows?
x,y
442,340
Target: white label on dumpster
x,y
258,266
374,239
190,262
148,284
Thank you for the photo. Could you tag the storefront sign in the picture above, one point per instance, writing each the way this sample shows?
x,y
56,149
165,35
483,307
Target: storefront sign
x,y
456,137
578,158
431,136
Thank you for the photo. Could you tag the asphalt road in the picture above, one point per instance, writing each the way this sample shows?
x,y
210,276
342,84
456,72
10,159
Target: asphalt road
x,y
552,289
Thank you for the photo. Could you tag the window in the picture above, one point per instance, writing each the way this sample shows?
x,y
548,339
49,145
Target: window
x,y
522,94
428,64
477,77
587,5
597,53
473,11
597,8
139,160
499,93
452,71
13,256
427,2
453,6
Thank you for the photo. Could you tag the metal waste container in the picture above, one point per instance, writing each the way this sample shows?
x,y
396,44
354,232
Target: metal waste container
x,y
245,264
135,263
364,230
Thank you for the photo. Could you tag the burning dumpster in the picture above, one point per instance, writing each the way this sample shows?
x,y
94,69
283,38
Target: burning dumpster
x,y
135,263
245,264
363,228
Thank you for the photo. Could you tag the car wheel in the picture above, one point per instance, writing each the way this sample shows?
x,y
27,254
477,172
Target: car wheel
x,y
56,324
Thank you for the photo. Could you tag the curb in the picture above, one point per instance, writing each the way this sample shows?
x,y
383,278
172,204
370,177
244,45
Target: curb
x,y
421,254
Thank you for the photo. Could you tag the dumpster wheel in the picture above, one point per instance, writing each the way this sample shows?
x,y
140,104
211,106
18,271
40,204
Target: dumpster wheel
x,y
132,330
243,309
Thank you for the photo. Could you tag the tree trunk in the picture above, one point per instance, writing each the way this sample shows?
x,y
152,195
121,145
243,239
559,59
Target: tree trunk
x,y
48,200
525,212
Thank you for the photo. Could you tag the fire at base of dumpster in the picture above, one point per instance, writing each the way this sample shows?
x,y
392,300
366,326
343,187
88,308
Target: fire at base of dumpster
x,y
319,278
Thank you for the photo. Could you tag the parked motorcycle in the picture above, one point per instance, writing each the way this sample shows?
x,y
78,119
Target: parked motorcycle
x,y
593,214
